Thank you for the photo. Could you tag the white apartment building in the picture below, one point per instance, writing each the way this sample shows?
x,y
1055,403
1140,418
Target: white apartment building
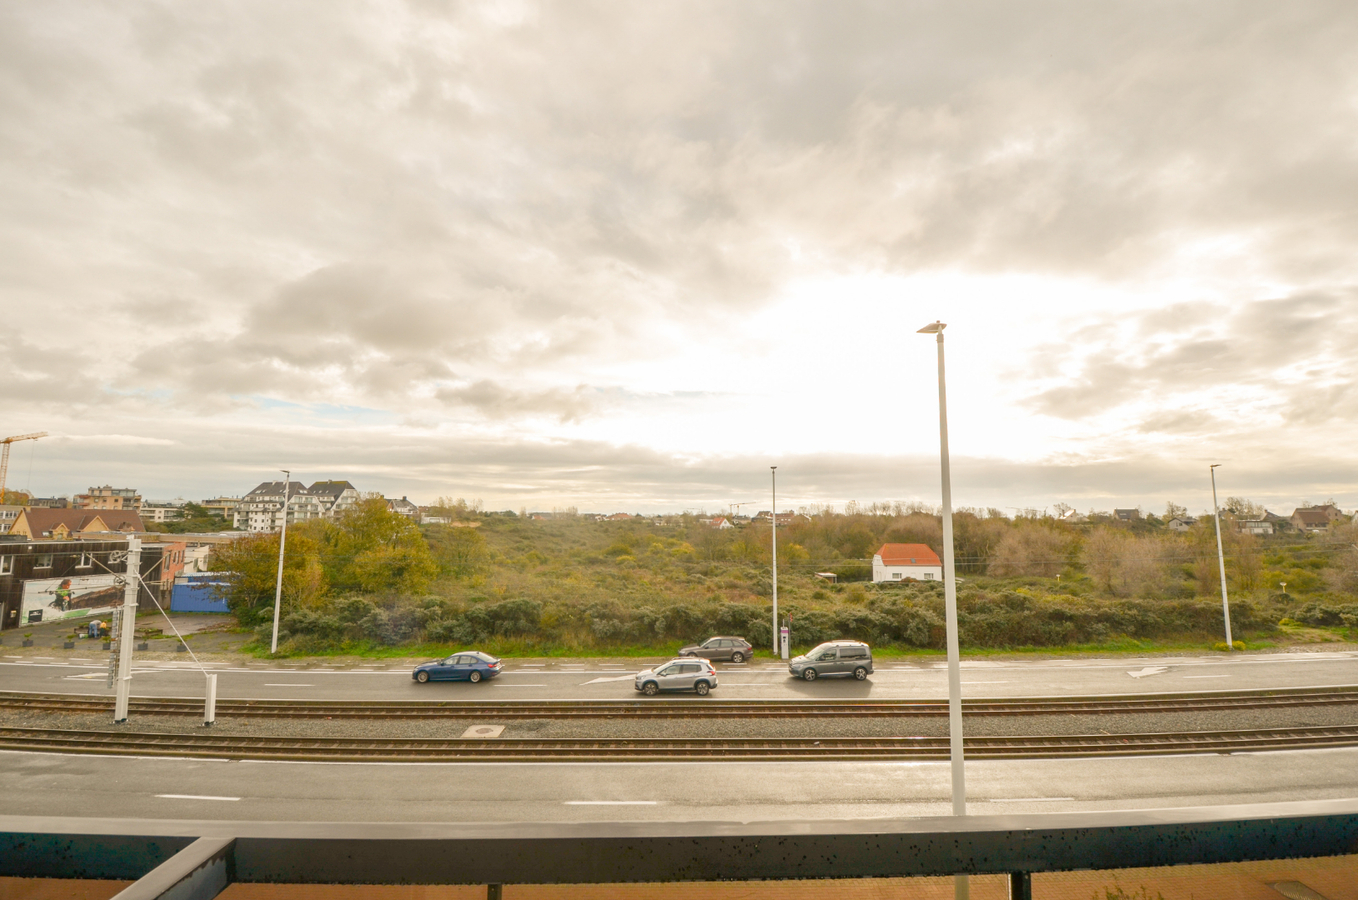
x,y
261,510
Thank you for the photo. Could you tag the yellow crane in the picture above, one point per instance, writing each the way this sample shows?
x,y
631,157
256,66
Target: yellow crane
x,y
4,455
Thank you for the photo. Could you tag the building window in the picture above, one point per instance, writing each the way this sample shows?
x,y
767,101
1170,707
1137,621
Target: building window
x,y
928,576
44,561
896,576
85,561
6,565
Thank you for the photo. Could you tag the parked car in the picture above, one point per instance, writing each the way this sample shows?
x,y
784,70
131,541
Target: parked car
x,y
736,649
469,665
834,658
683,674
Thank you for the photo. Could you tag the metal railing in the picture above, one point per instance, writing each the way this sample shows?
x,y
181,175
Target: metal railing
x,y
198,859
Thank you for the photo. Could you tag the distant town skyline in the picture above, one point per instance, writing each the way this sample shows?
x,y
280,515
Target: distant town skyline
x,y
626,257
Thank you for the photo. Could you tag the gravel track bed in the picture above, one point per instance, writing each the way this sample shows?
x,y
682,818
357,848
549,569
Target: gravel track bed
x,y
1211,720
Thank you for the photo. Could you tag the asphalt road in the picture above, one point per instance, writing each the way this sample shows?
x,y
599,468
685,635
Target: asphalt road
x,y
613,680
88,786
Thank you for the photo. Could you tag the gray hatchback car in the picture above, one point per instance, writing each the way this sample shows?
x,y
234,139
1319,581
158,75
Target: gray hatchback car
x,y
834,658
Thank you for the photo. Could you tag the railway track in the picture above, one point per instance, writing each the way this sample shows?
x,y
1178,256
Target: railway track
x,y
671,708
479,750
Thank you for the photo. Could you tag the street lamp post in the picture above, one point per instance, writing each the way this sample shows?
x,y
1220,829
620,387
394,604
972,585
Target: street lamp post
x,y
282,541
961,889
773,472
1221,558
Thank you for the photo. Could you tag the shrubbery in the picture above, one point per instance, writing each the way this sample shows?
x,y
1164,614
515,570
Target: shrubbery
x,y
911,617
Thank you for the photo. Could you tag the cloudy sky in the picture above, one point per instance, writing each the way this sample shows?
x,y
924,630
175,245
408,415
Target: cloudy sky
x,y
629,255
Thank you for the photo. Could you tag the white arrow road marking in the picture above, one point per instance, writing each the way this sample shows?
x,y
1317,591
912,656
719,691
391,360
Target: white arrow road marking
x,y
1149,670
615,678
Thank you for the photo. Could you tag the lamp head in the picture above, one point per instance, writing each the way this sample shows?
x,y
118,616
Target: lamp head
x,y
1214,465
932,328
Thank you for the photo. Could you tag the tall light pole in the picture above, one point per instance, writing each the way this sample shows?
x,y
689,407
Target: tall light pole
x,y
282,541
773,473
1221,558
961,890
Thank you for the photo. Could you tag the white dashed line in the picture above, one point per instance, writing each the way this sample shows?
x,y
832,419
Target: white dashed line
x,y
195,797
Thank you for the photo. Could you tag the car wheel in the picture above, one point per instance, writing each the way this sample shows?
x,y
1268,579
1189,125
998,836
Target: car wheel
x,y
809,674
737,657
687,655
860,673
421,677
702,688
650,689
474,677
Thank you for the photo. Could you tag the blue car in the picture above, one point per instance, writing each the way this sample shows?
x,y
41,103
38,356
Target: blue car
x,y
470,665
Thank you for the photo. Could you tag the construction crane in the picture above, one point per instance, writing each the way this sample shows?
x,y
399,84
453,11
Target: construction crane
x,y
4,456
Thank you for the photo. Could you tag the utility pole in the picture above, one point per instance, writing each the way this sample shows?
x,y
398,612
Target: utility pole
x,y
1221,559
126,624
773,471
961,887
282,541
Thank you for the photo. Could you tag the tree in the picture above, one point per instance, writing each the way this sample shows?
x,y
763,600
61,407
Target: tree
x,y
460,552
1175,511
1030,550
371,548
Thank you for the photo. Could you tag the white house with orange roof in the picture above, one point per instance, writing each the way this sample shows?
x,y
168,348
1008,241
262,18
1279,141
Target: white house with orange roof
x,y
898,562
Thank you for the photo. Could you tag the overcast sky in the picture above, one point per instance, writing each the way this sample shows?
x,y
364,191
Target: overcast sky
x,y
626,256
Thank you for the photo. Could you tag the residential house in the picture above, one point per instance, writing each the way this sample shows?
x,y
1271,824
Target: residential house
x,y
406,508
1332,512
335,496
1127,515
1279,523
784,518
619,517
222,506
61,524
1181,523
160,513
107,497
8,514
1254,526
720,523
1310,520
49,502
902,562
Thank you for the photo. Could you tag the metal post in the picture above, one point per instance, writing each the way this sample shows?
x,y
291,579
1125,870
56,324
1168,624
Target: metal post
x,y
282,541
961,890
773,471
1221,559
210,708
494,892
127,624
1020,886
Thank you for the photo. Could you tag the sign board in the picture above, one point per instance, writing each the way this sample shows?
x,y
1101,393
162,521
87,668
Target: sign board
x,y
60,598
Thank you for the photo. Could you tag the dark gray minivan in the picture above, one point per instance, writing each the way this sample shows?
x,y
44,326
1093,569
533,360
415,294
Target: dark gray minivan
x,y
834,658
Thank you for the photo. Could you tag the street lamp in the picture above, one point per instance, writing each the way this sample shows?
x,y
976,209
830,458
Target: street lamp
x,y
1221,558
773,472
959,782
282,541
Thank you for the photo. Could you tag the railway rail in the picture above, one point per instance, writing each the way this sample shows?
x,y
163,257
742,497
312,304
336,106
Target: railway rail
x,y
594,749
674,708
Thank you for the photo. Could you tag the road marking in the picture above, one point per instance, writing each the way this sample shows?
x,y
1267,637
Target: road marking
x,y
1207,676
1026,799
611,803
1149,670
289,684
195,797
614,678
985,682
502,684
